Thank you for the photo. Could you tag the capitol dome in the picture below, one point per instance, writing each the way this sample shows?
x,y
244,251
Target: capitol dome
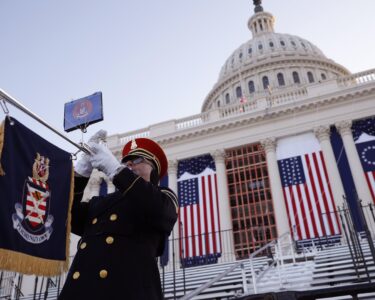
x,y
269,62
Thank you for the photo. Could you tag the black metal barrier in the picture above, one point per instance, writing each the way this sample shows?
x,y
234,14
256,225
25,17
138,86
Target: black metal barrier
x,y
348,290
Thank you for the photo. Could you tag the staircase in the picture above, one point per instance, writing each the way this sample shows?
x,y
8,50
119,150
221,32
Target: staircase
x,y
289,276
334,267
329,267
227,288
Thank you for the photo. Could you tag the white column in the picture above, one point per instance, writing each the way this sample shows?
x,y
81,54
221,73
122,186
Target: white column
x,y
222,186
172,175
344,127
172,184
281,214
323,135
224,206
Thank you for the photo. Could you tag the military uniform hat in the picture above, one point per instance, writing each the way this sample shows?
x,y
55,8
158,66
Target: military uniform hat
x,y
148,149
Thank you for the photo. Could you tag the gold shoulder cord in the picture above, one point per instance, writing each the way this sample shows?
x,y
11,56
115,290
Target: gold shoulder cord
x,y
173,198
135,180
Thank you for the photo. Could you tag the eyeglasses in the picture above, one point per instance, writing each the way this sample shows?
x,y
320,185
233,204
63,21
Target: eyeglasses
x,y
137,161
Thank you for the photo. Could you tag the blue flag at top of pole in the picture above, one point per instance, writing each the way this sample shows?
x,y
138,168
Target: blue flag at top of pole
x,y
36,190
82,112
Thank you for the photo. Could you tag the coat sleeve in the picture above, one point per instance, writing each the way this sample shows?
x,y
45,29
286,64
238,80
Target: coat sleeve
x,y
158,206
79,210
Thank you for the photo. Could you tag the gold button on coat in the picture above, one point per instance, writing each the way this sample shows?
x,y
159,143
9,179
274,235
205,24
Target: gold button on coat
x,y
76,275
94,221
103,273
109,240
113,217
83,245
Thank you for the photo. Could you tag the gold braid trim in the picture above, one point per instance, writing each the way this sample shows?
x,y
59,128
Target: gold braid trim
x,y
2,131
127,190
32,265
172,197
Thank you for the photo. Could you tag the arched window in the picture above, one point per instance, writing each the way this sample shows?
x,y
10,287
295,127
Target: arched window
x,y
265,81
324,77
296,77
218,103
310,76
260,46
280,79
238,92
282,43
260,25
227,98
250,50
251,86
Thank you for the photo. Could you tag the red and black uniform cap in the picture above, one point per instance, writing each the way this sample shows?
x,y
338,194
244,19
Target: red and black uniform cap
x,y
148,149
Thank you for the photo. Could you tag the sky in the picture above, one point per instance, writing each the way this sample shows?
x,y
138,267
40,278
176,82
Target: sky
x,y
153,60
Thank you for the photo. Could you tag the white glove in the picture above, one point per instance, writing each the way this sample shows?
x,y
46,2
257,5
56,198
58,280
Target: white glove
x,y
83,167
103,159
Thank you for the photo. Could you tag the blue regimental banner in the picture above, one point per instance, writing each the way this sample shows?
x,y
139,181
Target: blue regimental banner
x,y
82,112
346,177
364,137
36,189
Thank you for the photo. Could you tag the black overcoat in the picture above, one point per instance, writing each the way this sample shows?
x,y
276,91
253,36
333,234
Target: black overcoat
x,y
122,234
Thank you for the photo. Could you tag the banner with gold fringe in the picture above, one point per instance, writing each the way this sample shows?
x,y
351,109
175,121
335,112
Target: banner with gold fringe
x,y
36,191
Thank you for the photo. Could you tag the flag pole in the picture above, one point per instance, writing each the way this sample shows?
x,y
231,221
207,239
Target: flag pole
x,y
11,100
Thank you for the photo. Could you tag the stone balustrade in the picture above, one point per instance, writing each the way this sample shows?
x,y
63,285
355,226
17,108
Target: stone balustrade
x,y
259,102
357,78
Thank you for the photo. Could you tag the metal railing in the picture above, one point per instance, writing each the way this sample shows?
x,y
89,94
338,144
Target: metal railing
x,y
278,253
10,285
218,278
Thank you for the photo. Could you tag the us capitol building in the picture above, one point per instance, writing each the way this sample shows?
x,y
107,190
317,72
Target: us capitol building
x,y
279,108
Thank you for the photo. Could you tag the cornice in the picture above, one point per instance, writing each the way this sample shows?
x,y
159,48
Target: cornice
x,y
311,104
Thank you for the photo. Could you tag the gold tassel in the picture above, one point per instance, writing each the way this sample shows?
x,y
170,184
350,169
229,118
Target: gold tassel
x,y
31,265
71,197
2,129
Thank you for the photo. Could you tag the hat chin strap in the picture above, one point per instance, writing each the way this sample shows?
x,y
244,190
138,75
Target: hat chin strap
x,y
154,177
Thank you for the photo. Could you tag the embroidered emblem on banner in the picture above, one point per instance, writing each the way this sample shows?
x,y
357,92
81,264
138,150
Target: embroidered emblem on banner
x,y
31,219
82,109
